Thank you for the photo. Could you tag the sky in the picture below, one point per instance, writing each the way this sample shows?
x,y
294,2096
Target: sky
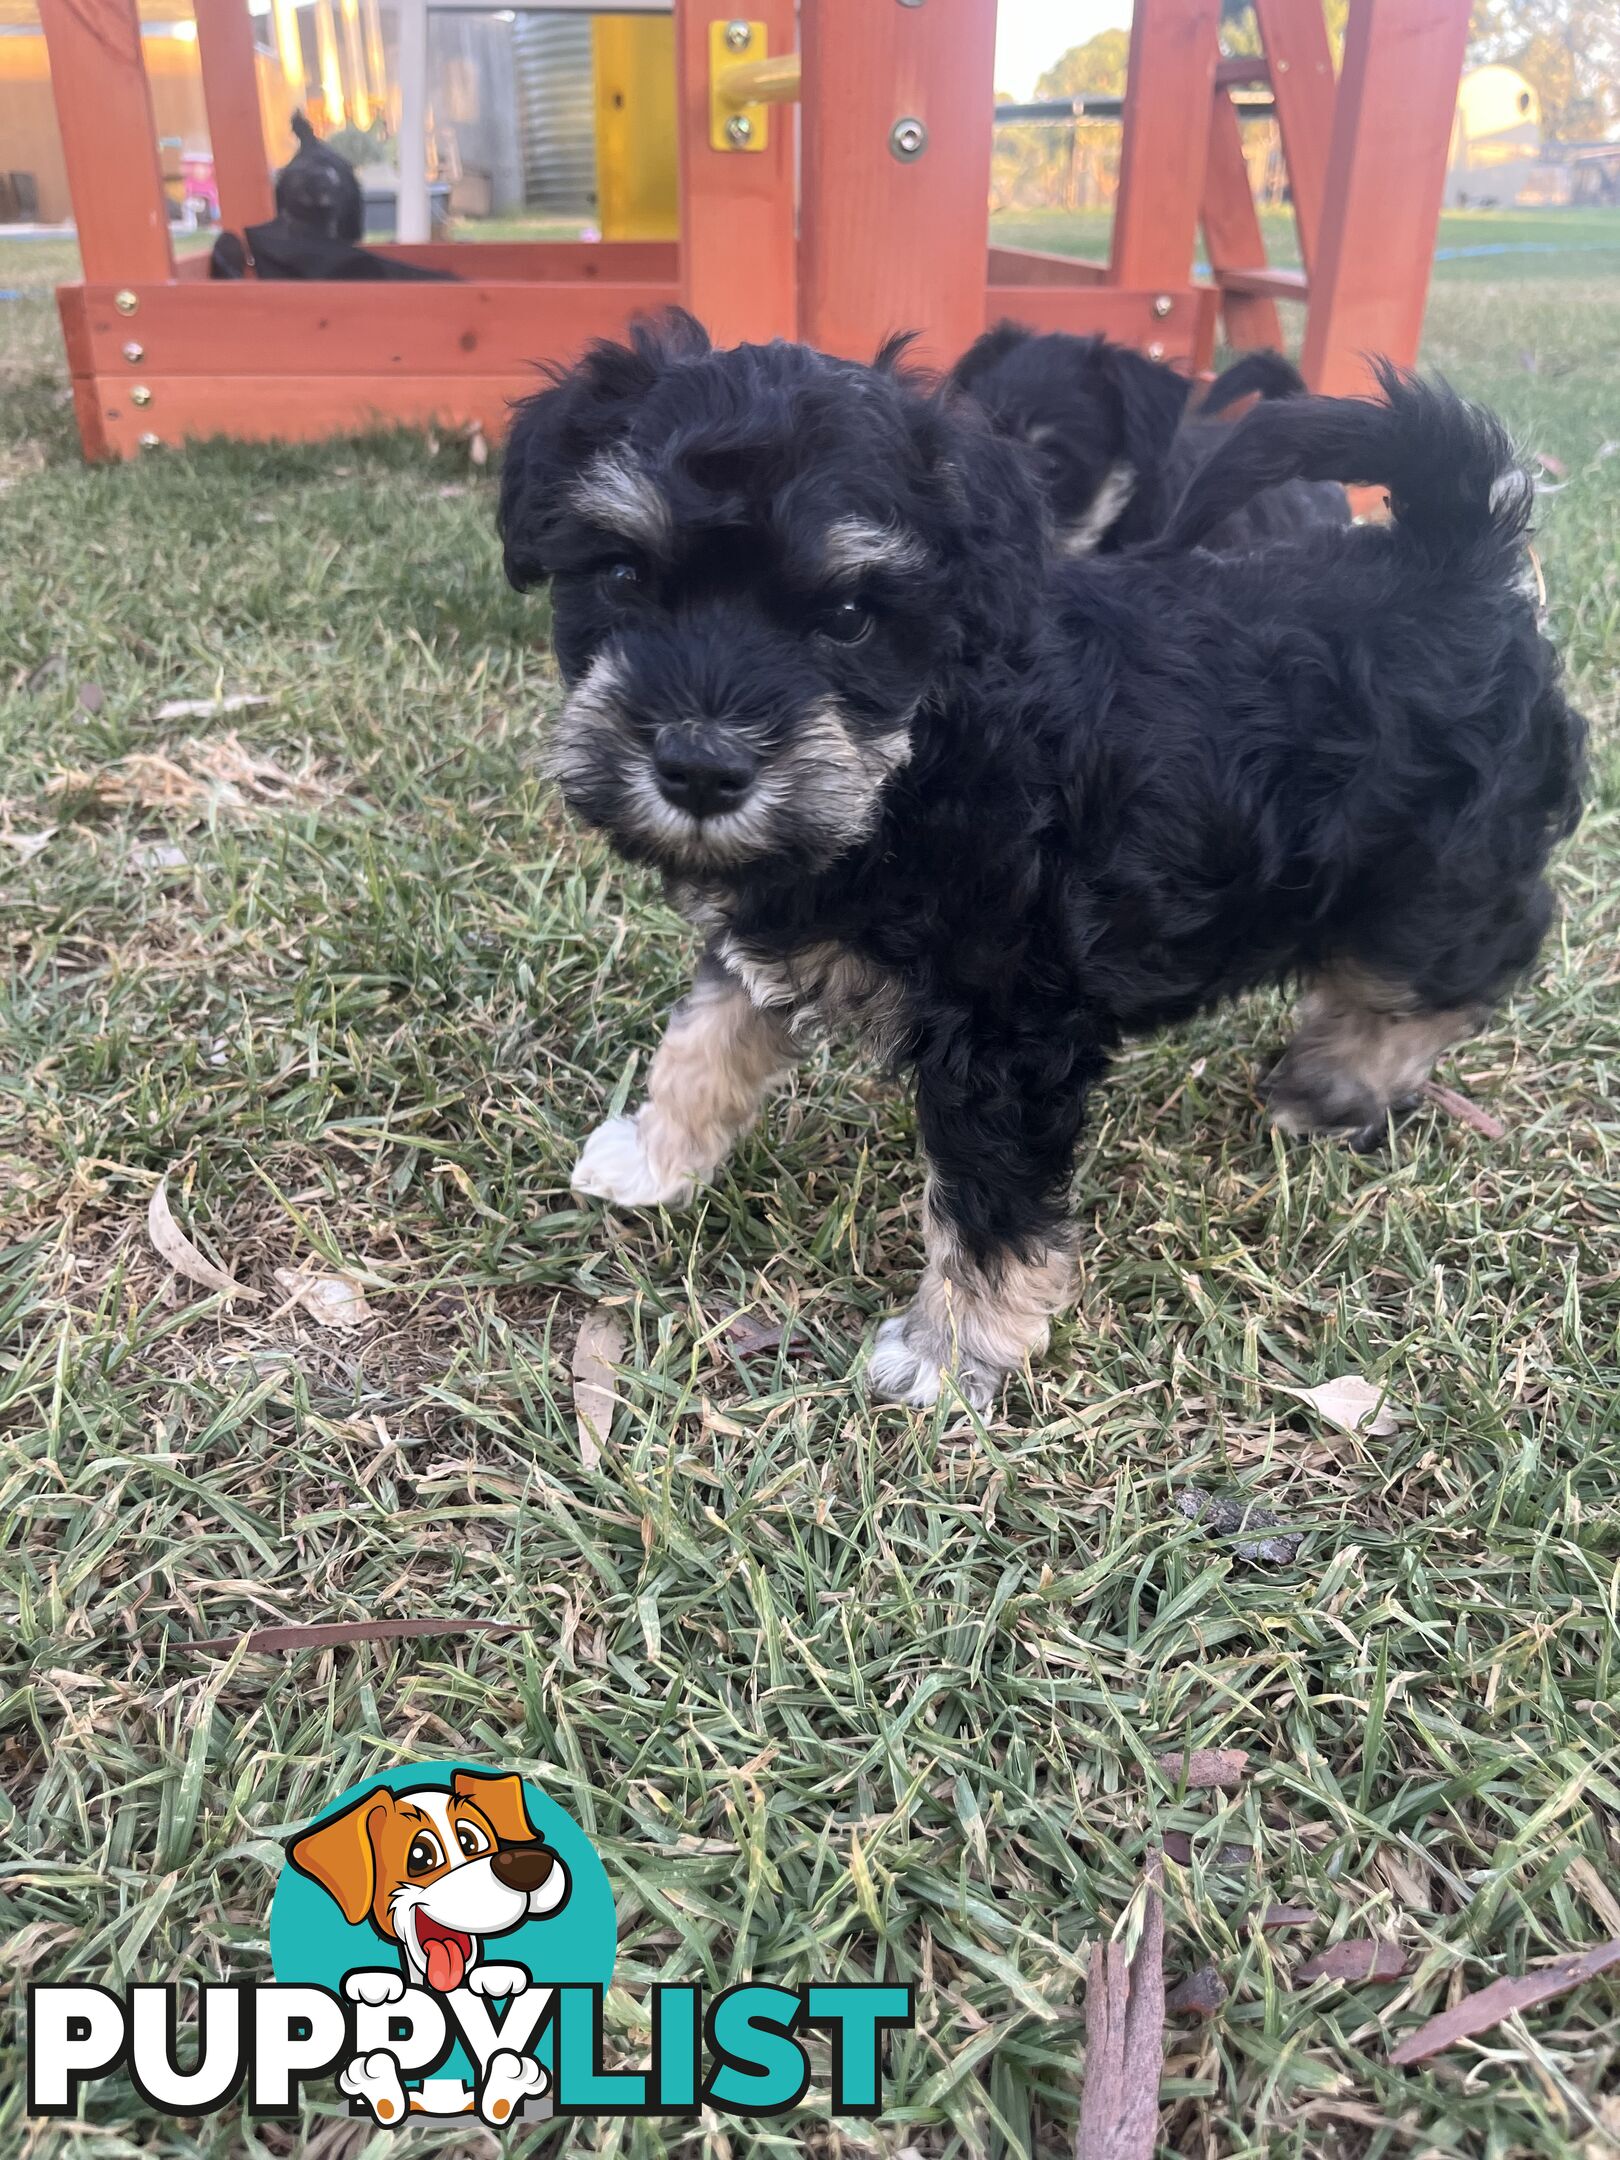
x,y
1031,33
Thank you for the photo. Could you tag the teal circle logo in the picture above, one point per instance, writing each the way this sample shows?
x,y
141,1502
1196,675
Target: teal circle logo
x,y
443,1886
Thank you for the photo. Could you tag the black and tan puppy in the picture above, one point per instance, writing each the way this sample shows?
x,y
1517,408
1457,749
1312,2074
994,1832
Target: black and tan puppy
x,y
1114,437
907,772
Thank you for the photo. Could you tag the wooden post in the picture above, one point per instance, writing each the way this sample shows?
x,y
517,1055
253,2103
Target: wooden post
x,y
235,132
1386,175
109,139
894,226
737,272
412,218
1164,154
1300,67
1232,231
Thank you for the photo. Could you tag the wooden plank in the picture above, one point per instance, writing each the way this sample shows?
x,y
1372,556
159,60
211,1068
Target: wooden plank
x,y
109,138
1294,34
1386,174
1164,153
584,262
287,408
1033,266
1185,336
1267,283
377,331
1232,232
893,242
235,130
737,268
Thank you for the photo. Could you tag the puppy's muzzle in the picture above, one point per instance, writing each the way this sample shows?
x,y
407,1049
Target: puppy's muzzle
x,y
521,1867
702,770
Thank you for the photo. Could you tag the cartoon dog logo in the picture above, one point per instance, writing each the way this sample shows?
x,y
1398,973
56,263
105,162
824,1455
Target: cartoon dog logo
x,y
437,1873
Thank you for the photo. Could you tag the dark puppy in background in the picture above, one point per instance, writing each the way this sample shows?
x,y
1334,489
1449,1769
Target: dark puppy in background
x,y
995,811
1114,437
319,188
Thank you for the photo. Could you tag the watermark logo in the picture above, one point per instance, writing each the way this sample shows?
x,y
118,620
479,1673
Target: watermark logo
x,y
442,1938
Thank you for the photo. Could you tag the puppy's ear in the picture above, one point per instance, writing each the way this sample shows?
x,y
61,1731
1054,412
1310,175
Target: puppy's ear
x,y
586,408
339,1855
996,518
987,352
499,1797
1152,399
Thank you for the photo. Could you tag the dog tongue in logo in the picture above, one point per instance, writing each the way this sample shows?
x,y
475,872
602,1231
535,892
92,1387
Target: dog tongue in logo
x,y
446,1952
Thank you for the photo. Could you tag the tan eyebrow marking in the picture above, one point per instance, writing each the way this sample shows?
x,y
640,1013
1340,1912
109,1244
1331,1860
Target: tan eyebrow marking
x,y
855,543
614,493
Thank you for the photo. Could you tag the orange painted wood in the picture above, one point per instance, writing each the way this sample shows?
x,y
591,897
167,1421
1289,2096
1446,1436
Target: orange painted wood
x,y
285,408
1300,64
109,138
1186,336
75,319
1386,174
737,269
1033,266
235,130
887,243
1267,284
1164,151
373,331
1232,232
584,262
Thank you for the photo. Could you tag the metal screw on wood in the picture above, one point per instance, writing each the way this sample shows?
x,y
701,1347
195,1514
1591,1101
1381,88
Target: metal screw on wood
x,y
739,129
151,442
140,395
1162,305
738,35
125,302
1155,351
134,352
908,138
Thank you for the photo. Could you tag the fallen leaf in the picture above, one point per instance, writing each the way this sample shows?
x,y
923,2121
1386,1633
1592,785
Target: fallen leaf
x,y
1464,1111
327,1634
330,1300
1178,1844
1227,1516
1201,1994
1354,1959
1210,1769
209,708
91,697
598,1347
49,671
174,1246
1350,1404
1487,2006
158,855
749,1335
1581,1875
477,445
1409,1880
1287,1916
1119,2107
28,844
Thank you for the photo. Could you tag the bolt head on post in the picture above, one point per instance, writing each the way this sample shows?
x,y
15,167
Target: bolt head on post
x,y
134,353
125,302
908,139
737,36
140,395
1162,306
739,129
151,442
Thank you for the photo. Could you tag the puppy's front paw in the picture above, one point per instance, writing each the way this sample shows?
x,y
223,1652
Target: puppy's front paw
x,y
497,1981
510,2080
374,1988
613,1166
374,2080
912,1358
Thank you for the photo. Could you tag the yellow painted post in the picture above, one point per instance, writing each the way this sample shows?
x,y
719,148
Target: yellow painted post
x,y
636,162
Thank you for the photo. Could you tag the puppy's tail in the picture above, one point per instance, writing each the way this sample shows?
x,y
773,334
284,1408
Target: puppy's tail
x,y
302,129
1261,373
1455,484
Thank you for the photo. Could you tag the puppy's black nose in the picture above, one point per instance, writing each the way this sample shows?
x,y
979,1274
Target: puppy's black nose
x,y
521,1867
701,770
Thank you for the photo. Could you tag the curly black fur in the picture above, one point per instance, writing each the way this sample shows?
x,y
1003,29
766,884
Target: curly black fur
x,y
1114,437
1131,786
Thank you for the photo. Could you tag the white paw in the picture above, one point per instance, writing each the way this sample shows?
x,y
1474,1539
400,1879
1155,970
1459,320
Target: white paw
x,y
374,2078
509,2081
374,1988
910,1362
497,1980
613,1166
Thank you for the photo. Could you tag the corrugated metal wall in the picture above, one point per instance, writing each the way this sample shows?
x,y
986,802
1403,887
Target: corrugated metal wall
x,y
556,112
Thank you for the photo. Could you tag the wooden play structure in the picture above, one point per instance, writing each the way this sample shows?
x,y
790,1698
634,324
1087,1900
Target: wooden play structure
x,y
879,222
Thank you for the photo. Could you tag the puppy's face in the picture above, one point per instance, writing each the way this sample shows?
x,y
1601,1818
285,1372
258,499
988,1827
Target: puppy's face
x,y
757,561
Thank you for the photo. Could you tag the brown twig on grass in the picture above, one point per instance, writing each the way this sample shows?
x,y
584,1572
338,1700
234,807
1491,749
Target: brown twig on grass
x,y
1119,2108
1487,2006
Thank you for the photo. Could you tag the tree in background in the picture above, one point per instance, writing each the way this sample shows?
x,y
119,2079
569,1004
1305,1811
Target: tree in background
x,y
1569,50
1057,165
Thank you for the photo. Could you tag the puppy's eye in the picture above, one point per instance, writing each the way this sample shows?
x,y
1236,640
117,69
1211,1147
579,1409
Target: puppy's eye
x,y
846,622
424,1855
622,577
471,1840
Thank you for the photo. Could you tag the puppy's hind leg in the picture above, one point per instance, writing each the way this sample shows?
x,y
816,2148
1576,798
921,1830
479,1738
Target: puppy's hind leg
x,y
718,1061
1363,1047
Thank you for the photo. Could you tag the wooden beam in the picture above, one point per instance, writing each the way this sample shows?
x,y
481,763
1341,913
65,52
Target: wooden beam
x,y
1300,63
283,408
737,270
1392,125
109,138
898,115
1164,154
1265,283
1184,335
1032,266
1232,232
235,131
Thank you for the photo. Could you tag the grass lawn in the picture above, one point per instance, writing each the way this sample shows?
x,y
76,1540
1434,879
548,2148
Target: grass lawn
x,y
838,1691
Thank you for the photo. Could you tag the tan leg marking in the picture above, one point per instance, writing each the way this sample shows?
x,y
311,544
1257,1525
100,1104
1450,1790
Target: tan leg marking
x,y
718,1061
975,1327
1360,1047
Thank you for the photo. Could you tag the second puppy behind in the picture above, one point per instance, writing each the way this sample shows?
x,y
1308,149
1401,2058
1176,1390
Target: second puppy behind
x,y
1113,437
